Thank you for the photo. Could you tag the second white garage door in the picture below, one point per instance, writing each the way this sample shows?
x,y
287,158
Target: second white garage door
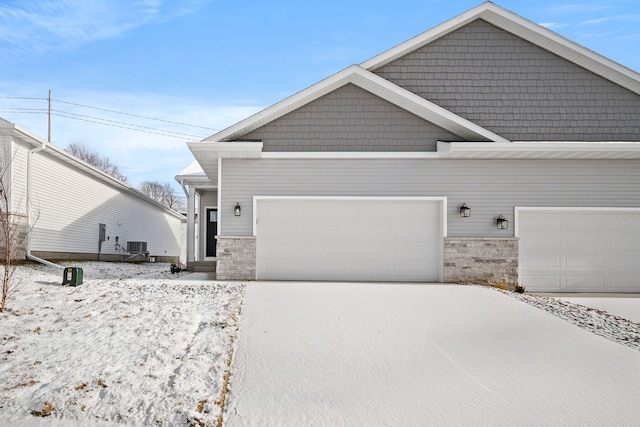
x,y
349,239
579,250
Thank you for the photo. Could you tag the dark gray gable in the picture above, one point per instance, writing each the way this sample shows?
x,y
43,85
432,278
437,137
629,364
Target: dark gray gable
x,y
350,119
515,88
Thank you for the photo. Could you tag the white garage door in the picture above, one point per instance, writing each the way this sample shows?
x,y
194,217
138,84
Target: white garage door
x,y
579,250
349,239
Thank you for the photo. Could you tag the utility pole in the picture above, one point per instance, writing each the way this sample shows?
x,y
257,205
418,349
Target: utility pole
x,y
49,116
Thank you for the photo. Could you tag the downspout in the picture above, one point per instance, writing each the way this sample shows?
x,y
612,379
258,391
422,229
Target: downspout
x,y
190,193
42,146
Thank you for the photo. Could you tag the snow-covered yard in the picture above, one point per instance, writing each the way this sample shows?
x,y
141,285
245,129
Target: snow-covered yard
x,y
136,345
133,345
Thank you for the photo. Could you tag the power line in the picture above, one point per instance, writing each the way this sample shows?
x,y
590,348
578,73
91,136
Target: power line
x,y
151,131
107,121
20,97
101,121
132,115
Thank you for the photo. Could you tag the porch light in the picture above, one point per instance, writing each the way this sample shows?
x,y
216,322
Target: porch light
x,y
502,222
237,210
465,211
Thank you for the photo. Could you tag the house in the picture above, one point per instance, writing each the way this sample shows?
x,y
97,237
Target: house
x,y
488,149
75,211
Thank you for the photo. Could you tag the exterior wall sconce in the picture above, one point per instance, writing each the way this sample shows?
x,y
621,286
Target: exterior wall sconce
x,y
237,210
465,211
502,222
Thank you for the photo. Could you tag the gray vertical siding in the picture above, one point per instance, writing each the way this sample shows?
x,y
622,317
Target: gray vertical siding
x,y
489,187
515,88
350,119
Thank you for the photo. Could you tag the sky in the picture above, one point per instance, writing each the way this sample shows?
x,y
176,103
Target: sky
x,y
212,63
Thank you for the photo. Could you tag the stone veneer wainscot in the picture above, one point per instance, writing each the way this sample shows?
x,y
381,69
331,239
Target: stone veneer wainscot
x,y
236,258
479,260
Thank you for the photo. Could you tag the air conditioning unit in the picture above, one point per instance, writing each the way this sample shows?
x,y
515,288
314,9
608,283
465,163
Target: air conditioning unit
x,y
137,247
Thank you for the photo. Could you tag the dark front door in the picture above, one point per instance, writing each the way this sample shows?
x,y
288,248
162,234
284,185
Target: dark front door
x,y
212,231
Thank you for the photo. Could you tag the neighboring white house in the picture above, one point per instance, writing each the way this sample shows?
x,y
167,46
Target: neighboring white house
x,y
71,206
368,174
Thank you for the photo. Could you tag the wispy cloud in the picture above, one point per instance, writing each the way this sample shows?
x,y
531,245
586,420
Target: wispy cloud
x,y
579,8
613,18
40,25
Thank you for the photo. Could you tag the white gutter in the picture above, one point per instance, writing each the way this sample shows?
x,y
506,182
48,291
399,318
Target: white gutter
x,y
42,146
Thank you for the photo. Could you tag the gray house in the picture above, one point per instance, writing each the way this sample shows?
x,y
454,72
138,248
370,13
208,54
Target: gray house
x,y
487,149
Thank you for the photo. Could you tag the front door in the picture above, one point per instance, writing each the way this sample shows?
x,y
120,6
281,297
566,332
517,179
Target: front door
x,y
212,231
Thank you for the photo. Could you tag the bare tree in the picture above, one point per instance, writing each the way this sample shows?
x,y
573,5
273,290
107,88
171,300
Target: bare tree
x,y
94,159
163,193
13,232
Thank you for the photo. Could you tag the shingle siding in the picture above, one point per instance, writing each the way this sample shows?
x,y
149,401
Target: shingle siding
x,y
516,89
350,119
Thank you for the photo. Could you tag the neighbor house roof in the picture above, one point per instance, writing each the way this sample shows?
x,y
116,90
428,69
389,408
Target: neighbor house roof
x,y
75,162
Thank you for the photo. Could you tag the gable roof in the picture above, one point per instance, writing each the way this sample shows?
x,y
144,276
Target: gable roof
x,y
374,84
525,29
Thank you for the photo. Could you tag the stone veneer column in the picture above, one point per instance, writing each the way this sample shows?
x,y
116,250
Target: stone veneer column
x,y
481,260
236,258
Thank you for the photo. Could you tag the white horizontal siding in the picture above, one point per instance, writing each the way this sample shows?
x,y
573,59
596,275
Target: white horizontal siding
x,y
489,187
68,204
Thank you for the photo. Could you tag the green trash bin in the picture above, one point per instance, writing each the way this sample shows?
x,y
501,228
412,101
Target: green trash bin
x,y
72,276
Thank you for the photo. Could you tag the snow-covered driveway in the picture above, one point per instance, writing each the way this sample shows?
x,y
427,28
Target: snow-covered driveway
x,y
395,354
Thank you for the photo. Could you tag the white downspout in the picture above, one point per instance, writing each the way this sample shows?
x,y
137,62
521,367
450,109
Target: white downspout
x,y
42,146
190,193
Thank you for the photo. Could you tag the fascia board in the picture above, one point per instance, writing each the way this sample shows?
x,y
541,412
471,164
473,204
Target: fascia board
x,y
525,29
204,151
374,84
540,150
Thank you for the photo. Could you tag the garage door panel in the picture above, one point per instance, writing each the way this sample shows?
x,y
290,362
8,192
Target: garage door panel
x,y
624,283
540,241
350,240
584,262
584,240
584,282
286,270
624,262
618,240
598,251
536,260
326,271
362,271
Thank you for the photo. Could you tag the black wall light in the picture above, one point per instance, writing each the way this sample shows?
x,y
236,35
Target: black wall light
x,y
465,211
237,210
502,222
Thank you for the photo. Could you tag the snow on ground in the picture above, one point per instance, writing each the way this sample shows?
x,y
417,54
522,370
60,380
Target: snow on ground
x,y
398,354
133,345
136,345
582,312
626,306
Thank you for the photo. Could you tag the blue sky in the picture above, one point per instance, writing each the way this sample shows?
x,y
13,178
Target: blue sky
x,y
212,63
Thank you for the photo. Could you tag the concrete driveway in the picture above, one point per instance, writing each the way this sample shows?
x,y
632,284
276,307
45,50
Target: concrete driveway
x,y
399,355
